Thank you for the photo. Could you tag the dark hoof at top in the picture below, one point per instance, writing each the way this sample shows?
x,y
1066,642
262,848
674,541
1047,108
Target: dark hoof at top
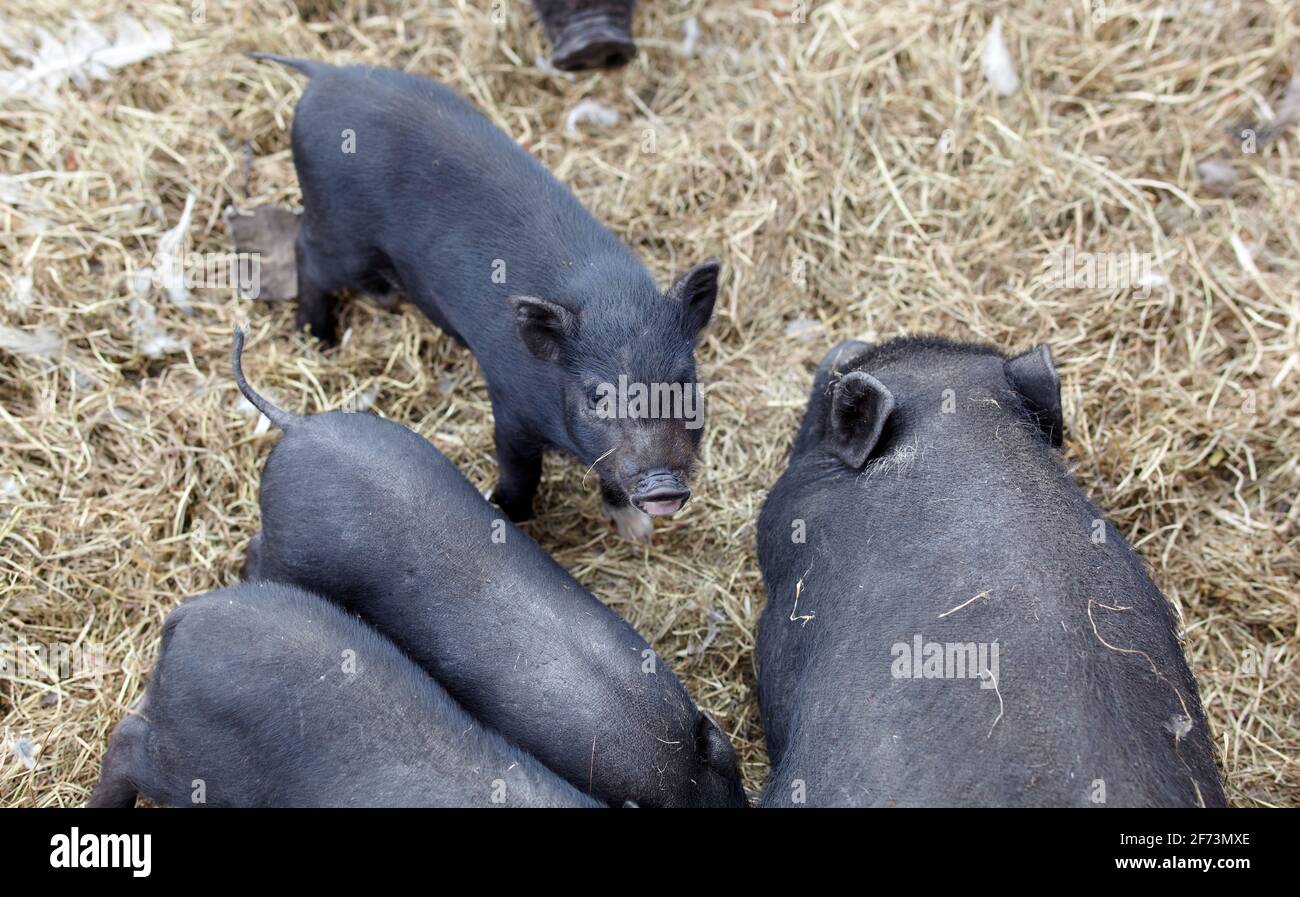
x,y
594,51
588,35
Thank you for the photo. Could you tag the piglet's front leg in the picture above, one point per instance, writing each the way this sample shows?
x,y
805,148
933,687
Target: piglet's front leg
x,y
519,463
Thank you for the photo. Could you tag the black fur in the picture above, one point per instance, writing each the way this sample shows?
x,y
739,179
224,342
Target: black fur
x,y
442,203
267,696
961,495
369,514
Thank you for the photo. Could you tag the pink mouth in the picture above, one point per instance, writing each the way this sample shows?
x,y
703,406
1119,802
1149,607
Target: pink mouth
x,y
661,508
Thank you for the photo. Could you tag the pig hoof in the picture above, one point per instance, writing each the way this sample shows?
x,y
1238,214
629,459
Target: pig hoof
x,y
632,524
323,334
592,40
517,510
600,53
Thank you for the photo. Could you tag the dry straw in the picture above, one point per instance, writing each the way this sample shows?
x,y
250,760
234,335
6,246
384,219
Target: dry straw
x,y
862,147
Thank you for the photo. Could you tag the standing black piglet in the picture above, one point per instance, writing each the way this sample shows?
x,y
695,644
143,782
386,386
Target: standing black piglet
x,y
406,184
950,620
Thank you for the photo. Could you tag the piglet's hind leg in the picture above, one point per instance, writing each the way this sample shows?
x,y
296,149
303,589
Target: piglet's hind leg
x,y
116,787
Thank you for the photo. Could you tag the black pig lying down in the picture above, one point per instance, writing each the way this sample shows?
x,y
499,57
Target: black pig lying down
x,y
950,620
406,184
265,695
370,514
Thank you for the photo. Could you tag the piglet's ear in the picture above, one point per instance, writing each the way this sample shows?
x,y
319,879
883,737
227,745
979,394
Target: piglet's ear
x,y
696,291
1034,376
544,326
860,404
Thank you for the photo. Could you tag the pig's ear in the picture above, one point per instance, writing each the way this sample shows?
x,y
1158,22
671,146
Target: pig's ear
x,y
1034,376
696,291
713,746
543,325
860,404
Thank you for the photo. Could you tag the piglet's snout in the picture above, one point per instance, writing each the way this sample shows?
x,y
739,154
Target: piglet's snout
x,y
660,492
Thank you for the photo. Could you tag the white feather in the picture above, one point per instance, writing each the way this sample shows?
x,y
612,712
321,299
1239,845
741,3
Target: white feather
x,y
590,110
15,192
150,338
84,55
997,62
43,342
171,270
25,752
692,36
22,295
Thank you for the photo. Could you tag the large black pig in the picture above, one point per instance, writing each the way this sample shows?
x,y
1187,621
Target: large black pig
x,y
950,620
265,695
368,513
405,184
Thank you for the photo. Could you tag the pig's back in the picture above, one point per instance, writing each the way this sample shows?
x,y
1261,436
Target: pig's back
x,y
1074,701
443,193
427,557
409,544
254,694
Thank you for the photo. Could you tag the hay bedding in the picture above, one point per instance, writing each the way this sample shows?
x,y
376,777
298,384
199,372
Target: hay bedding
x,y
857,174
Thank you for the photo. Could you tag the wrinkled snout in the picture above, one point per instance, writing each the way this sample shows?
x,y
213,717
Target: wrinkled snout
x,y
660,493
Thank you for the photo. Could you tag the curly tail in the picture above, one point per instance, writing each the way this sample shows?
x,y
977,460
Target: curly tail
x,y
277,416
308,67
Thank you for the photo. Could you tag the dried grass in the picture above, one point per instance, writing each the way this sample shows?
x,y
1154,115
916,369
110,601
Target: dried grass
x,y
777,145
